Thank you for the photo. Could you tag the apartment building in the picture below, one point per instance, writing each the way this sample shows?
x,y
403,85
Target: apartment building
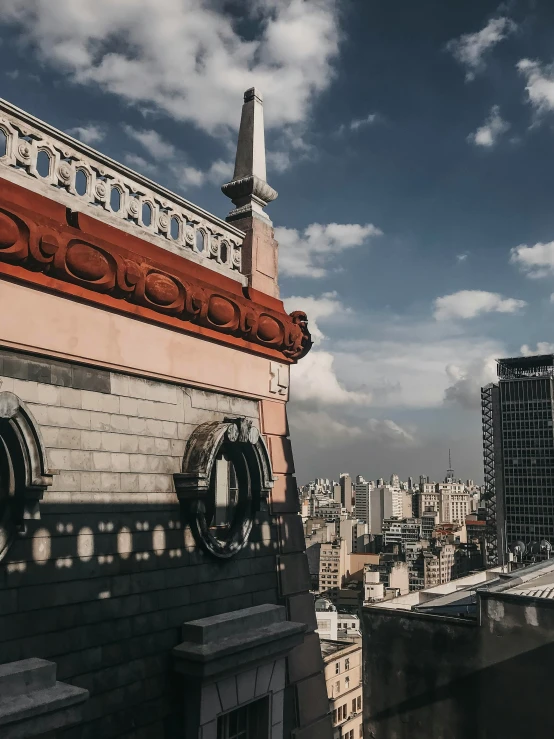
x,y
343,678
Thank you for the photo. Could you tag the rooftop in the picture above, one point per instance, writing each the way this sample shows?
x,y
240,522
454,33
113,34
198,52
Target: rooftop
x,y
331,649
540,365
459,597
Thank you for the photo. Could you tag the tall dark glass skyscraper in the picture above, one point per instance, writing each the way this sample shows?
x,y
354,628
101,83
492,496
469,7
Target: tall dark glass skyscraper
x,y
518,445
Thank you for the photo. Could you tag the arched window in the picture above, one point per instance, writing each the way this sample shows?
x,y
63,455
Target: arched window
x,y
23,471
226,474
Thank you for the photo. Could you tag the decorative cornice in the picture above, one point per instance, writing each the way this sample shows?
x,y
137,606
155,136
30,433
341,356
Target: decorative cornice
x,y
142,280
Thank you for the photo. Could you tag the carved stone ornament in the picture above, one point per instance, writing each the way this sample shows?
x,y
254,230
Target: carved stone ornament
x,y
23,471
225,479
40,249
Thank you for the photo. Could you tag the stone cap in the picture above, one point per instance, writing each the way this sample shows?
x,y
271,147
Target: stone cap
x,y
18,678
231,641
233,623
33,702
252,93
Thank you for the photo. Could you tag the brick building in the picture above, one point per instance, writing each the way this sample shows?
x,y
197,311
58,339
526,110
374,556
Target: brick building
x,y
153,578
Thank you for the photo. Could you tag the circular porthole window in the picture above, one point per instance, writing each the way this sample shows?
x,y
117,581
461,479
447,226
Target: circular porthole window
x,y
226,475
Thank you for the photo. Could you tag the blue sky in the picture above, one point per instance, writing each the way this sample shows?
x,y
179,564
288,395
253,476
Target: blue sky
x,y
411,145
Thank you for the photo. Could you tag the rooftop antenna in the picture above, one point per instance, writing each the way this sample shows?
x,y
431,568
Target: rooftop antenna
x,y
449,471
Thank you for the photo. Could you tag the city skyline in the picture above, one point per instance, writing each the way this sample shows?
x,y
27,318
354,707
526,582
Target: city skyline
x,y
387,477
408,144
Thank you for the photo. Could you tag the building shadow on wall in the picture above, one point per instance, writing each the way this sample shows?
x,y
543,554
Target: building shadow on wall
x,y
505,699
103,589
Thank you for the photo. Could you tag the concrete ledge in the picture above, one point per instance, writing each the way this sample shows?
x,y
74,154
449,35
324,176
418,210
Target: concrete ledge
x,y
32,702
19,678
231,641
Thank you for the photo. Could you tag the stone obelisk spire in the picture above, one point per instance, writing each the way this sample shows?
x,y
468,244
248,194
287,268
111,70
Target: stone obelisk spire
x,y
250,194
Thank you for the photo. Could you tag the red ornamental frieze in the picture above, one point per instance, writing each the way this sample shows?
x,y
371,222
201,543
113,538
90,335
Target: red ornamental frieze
x,y
67,255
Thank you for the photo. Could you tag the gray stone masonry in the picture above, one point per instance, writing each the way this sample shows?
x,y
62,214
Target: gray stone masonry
x,y
103,581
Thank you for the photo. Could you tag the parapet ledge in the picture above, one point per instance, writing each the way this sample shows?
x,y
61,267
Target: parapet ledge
x,y
33,702
230,642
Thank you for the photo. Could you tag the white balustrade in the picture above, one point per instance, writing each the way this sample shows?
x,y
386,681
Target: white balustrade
x,y
52,163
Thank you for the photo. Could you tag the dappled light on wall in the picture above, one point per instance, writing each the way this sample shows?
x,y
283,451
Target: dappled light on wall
x,y
42,546
85,544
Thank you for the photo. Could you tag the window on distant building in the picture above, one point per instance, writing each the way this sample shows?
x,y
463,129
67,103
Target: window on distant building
x,y
347,664
361,730
346,682
337,686
359,702
337,664
248,722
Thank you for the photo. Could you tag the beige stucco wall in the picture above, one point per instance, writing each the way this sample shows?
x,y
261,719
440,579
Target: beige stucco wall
x,y
36,321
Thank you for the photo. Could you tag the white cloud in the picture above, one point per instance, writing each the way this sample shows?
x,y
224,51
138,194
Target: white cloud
x,y
326,306
325,429
357,123
405,367
467,380
188,58
471,48
471,303
89,134
543,347
540,84
536,260
310,254
314,383
165,155
488,134
279,161
140,164
288,148
322,426
462,257
154,144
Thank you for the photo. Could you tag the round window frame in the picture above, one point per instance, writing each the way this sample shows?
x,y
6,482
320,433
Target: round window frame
x,y
195,484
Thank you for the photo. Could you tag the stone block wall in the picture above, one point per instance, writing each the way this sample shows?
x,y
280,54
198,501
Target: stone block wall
x,y
102,583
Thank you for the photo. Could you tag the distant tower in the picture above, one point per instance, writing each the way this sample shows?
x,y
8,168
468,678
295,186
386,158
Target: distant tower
x,y
449,471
